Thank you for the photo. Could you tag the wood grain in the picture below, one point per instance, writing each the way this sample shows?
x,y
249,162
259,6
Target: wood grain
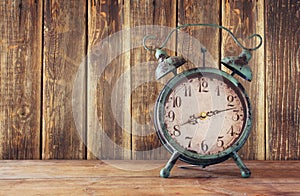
x,y
145,143
207,12
70,177
43,47
64,49
20,79
283,83
109,135
244,18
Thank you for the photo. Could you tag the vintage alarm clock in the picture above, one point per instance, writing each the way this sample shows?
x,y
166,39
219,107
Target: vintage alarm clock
x,y
203,115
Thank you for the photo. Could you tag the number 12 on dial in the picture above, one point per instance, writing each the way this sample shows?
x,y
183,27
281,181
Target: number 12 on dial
x,y
203,116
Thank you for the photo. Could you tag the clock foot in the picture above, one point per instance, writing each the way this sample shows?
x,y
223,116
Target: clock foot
x,y
245,172
165,172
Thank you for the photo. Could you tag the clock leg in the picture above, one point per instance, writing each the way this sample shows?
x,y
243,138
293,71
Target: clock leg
x,y
165,172
245,172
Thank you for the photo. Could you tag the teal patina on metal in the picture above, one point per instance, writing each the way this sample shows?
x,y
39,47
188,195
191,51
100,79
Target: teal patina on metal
x,y
199,152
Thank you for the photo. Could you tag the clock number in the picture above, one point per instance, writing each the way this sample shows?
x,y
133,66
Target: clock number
x,y
236,117
190,141
220,141
177,102
187,90
203,86
204,146
176,131
171,116
231,131
218,90
230,100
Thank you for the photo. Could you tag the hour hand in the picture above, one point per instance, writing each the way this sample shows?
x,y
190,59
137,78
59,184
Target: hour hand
x,y
192,120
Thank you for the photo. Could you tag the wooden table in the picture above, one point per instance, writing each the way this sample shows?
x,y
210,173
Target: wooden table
x,y
70,177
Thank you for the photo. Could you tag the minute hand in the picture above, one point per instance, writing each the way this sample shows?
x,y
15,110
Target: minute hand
x,y
212,113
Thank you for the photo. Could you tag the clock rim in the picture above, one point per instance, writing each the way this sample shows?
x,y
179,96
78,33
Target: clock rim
x,y
185,155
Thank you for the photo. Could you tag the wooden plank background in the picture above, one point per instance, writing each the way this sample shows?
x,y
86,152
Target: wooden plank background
x,y
43,44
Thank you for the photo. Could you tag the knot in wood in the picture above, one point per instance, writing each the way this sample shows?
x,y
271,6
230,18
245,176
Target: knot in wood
x,y
24,112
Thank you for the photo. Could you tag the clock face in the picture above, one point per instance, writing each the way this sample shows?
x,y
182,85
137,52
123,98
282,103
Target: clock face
x,y
205,113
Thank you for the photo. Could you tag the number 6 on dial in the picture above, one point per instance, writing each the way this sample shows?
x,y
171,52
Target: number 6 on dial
x,y
200,124
203,115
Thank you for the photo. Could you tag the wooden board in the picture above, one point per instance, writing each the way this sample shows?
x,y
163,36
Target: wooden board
x,y
43,48
20,79
107,137
63,51
96,178
244,18
282,76
145,89
207,12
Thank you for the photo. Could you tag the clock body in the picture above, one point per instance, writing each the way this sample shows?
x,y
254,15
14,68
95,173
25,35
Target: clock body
x,y
203,115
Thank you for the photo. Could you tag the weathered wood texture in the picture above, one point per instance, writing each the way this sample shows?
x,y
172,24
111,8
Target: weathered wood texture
x,y
20,79
108,140
145,89
96,178
63,50
190,12
243,18
43,52
283,79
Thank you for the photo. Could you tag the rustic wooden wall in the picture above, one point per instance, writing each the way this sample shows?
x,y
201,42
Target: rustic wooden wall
x,y
43,44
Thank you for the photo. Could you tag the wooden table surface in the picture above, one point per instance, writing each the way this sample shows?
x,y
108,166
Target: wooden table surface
x,y
74,177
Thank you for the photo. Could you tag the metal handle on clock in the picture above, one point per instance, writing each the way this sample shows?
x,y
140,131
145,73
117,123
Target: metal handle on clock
x,y
207,25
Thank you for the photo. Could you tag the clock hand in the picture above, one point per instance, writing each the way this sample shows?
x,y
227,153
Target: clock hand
x,y
212,113
203,115
193,118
